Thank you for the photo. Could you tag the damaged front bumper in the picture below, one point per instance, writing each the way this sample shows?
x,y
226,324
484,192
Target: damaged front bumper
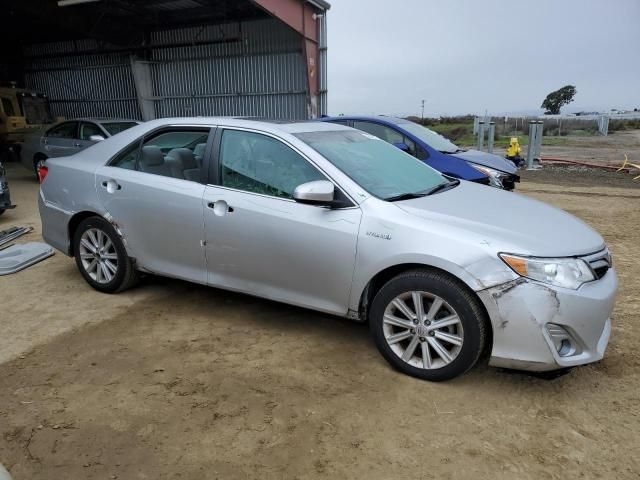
x,y
539,327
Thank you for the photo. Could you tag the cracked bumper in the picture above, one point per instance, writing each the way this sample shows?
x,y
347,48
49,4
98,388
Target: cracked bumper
x,y
520,311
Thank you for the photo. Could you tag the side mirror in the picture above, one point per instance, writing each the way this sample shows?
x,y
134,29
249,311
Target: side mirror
x,y
319,192
402,146
96,138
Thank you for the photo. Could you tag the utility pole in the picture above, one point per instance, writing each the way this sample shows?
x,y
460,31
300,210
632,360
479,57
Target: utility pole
x,y
422,115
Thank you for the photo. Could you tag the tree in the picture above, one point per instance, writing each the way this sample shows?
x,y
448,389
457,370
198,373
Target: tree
x,y
558,99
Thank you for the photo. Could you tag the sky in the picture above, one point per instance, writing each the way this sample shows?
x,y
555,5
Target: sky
x,y
468,56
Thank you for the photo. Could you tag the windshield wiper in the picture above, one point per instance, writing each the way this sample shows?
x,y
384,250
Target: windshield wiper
x,y
405,196
438,188
443,187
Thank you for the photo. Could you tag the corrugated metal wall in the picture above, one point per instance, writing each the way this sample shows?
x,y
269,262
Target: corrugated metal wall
x,y
249,68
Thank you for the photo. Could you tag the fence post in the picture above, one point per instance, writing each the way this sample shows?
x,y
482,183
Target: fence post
x,y
492,134
480,135
539,135
531,146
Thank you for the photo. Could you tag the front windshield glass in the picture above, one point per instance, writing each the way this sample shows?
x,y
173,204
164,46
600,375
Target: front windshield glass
x,y
431,138
117,127
36,110
377,166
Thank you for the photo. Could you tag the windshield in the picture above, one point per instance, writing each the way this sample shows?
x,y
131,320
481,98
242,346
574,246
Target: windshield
x,y
116,127
377,166
36,110
431,138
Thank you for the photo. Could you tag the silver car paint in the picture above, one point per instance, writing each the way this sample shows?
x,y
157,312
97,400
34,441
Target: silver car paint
x,y
324,259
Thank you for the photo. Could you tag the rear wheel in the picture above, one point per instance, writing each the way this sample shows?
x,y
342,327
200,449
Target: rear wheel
x,y
428,325
101,256
2,211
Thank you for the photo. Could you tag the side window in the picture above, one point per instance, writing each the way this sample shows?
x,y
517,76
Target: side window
x,y
88,129
176,154
411,144
64,130
421,153
7,106
128,158
260,164
383,132
346,123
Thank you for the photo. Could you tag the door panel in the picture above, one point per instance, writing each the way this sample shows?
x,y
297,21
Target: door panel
x,y
280,249
61,140
160,218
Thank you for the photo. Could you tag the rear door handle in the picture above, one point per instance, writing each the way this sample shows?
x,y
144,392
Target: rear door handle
x,y
220,207
77,144
111,185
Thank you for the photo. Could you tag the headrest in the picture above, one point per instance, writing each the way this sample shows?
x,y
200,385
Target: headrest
x,y
151,156
198,151
184,156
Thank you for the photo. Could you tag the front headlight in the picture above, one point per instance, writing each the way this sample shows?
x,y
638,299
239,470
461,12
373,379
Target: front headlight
x,y
561,272
495,176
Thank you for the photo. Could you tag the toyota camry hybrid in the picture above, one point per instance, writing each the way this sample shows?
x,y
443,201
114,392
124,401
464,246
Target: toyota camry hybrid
x,y
336,220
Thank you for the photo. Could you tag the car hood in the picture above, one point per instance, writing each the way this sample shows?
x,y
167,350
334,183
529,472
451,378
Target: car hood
x,y
505,221
487,159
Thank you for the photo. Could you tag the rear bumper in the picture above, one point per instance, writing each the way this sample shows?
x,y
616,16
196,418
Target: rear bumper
x,y
55,225
523,313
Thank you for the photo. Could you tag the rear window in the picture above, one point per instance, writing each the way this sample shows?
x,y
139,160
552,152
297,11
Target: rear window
x,y
116,127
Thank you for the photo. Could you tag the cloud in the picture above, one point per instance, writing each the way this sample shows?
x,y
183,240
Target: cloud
x,y
465,56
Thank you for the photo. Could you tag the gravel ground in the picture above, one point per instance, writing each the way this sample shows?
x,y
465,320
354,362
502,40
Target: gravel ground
x,y
173,380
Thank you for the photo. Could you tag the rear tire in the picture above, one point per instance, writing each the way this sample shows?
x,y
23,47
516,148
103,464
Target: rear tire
x,y
101,257
427,324
2,211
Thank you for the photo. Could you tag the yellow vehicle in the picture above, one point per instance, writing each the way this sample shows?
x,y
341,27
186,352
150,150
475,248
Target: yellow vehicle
x,y
21,111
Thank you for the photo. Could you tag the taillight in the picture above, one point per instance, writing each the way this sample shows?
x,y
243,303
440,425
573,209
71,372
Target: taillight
x,y
42,173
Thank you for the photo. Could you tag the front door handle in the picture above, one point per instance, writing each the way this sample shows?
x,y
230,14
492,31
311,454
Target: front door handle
x,y
220,207
77,144
111,185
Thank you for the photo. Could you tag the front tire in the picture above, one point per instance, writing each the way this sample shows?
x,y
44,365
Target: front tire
x,y
101,257
427,324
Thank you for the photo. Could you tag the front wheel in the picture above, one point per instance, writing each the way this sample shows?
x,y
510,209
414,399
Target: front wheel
x,y
101,256
428,325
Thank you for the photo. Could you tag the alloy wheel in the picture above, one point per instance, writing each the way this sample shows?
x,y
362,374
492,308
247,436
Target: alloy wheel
x,y
423,330
98,255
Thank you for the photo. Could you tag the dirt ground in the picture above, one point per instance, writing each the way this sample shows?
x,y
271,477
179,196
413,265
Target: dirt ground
x,y
178,381
609,150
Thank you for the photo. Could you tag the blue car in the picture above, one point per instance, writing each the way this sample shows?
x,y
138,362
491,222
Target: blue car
x,y
436,151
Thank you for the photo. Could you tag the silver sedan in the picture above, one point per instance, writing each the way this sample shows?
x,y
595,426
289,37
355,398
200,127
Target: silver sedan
x,y
333,219
67,138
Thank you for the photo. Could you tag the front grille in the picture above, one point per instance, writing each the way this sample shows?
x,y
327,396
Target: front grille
x,y
599,262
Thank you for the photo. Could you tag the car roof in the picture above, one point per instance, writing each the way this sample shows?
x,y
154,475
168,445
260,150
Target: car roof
x,y
269,125
101,120
370,118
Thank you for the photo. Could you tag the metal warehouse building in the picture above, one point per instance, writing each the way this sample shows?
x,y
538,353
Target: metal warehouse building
x,y
146,59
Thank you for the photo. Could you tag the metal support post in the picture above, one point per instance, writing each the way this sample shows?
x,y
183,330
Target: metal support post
x,y
480,135
492,134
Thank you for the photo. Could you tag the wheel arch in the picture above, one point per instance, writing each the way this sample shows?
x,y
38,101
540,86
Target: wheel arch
x,y
383,276
72,226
